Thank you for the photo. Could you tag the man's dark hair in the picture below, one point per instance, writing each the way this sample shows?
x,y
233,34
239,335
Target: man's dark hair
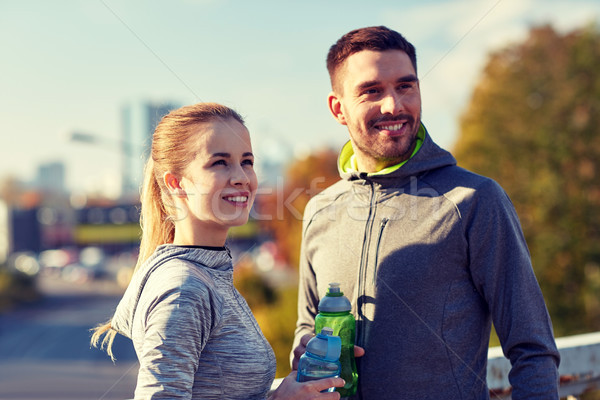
x,y
376,38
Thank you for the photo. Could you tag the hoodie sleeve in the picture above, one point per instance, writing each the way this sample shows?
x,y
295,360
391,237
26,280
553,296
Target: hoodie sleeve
x,y
502,272
176,327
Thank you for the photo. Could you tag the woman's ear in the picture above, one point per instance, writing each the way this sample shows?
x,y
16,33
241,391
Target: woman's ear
x,y
172,183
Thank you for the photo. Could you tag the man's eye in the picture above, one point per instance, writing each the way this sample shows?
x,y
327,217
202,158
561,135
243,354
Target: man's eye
x,y
371,91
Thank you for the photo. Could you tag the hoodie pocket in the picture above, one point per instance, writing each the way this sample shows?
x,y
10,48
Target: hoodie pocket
x,y
382,225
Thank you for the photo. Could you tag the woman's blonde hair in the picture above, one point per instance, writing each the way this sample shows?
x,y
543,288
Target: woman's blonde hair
x,y
172,150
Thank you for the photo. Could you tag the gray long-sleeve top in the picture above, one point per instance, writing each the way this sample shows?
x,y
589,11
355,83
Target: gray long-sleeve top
x,y
194,334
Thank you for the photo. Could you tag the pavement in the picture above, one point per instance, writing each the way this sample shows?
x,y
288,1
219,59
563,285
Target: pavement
x,y
45,351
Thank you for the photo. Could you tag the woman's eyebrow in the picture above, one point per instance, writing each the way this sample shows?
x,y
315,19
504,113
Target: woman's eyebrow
x,y
224,155
228,155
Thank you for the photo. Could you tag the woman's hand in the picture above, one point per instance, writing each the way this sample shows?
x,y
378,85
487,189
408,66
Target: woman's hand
x,y
292,390
300,349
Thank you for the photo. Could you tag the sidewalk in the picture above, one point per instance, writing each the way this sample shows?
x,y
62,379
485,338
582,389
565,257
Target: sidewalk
x,y
73,380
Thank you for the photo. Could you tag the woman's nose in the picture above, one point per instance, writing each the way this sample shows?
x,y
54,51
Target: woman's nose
x,y
239,176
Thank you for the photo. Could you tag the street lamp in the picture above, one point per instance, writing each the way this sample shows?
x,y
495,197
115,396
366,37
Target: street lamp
x,y
126,150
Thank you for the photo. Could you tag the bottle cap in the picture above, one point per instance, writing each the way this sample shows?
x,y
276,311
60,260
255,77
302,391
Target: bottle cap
x,y
325,345
334,300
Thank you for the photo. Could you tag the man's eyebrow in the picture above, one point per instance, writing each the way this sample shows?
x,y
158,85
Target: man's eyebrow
x,y
366,85
408,78
402,79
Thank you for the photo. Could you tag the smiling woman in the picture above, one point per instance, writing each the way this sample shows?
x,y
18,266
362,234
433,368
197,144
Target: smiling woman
x,y
193,333
217,188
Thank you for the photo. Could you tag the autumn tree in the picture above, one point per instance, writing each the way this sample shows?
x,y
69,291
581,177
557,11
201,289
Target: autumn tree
x,y
282,208
533,125
279,211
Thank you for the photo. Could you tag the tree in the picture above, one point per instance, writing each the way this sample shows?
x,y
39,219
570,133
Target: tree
x,y
283,210
280,212
533,125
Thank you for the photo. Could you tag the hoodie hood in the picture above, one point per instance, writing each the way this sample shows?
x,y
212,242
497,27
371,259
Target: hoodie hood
x,y
428,157
123,318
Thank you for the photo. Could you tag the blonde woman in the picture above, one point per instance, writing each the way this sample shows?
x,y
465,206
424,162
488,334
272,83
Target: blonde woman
x,y
193,333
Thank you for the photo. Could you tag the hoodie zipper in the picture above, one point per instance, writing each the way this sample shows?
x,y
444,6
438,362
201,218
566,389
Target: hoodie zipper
x,y
382,225
362,274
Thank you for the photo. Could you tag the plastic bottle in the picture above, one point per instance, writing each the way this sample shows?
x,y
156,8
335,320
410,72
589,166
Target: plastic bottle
x,y
334,312
321,359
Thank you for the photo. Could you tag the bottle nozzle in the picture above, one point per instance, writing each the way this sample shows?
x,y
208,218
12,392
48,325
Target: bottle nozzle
x,y
327,331
334,287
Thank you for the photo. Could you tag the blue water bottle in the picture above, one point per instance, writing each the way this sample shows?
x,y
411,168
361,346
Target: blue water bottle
x,y
321,359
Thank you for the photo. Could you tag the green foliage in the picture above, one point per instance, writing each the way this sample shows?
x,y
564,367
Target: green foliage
x,y
304,179
15,288
533,125
253,287
593,395
274,310
278,322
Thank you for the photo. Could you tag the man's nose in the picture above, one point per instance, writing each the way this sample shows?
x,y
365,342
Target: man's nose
x,y
391,103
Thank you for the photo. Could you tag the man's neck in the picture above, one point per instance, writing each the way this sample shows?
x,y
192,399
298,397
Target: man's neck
x,y
369,164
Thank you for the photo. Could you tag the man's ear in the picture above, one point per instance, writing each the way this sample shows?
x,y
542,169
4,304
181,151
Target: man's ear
x,y
335,106
172,183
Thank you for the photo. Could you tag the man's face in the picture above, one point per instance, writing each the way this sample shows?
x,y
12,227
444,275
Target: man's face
x,y
379,100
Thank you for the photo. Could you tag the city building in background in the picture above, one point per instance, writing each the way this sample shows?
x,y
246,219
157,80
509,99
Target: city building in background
x,y
138,121
93,234
51,177
113,227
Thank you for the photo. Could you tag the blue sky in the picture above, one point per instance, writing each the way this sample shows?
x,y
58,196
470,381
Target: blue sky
x,y
71,64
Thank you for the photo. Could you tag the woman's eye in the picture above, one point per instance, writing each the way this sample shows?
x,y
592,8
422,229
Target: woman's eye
x,y
220,162
248,162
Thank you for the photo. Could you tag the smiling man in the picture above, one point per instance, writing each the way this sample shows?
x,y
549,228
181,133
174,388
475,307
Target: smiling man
x,y
428,253
377,96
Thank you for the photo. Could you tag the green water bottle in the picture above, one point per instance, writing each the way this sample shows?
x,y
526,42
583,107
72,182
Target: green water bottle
x,y
334,312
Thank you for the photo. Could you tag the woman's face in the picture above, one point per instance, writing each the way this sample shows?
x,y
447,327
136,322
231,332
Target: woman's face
x,y
220,183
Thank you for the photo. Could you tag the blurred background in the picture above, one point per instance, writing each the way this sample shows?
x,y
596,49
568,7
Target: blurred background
x,y
509,86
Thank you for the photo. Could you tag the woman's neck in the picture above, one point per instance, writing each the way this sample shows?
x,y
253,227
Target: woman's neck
x,y
186,236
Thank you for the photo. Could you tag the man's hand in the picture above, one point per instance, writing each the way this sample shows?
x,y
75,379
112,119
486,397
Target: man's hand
x,y
301,349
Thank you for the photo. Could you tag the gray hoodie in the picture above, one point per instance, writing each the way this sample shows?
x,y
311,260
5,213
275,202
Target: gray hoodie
x,y
429,255
194,334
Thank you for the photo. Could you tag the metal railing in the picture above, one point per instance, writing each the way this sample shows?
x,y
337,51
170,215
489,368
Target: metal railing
x,y
579,367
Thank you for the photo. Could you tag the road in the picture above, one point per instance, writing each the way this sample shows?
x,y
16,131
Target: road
x,y
45,351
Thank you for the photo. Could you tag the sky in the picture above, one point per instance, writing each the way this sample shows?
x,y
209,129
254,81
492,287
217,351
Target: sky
x,y
71,65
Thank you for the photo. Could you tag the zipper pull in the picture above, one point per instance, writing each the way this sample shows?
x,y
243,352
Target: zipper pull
x,y
382,225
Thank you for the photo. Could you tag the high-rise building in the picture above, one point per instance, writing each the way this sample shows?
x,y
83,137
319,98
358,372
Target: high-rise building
x,y
138,122
51,177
